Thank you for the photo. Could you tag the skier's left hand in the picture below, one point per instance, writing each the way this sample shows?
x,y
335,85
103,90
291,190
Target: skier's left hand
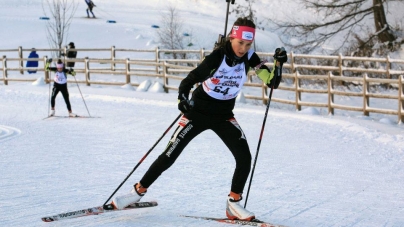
x,y
281,55
73,72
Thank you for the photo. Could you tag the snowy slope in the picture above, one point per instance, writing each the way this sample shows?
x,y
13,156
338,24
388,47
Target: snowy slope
x,y
311,170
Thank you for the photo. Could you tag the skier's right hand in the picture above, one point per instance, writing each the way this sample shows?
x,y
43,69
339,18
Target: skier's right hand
x,y
184,104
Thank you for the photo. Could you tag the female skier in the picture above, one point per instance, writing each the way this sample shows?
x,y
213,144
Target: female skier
x,y
60,84
222,74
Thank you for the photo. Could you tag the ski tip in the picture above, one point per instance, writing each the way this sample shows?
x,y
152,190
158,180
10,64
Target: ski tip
x,y
47,219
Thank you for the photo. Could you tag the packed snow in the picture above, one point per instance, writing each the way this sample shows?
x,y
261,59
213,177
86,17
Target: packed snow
x,y
312,169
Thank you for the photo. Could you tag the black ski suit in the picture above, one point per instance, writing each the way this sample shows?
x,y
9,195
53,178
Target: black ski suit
x,y
210,113
60,84
90,5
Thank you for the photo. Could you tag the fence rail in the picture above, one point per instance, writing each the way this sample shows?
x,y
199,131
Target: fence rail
x,y
165,64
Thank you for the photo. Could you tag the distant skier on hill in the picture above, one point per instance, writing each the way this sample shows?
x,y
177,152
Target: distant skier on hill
x,y
90,5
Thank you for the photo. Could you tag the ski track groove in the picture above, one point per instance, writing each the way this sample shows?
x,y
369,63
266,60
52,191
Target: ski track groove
x,y
7,132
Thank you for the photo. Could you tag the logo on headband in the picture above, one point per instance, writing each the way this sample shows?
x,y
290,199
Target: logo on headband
x,y
247,35
243,32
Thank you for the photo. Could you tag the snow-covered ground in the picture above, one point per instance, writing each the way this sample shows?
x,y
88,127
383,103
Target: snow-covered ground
x,y
312,169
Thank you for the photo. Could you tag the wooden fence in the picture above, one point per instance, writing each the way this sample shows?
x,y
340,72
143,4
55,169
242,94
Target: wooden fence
x,y
331,71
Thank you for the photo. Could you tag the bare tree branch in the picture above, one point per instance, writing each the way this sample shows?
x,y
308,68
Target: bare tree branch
x,y
61,13
170,34
337,16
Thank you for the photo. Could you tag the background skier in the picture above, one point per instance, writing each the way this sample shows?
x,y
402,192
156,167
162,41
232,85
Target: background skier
x,y
222,74
90,6
60,84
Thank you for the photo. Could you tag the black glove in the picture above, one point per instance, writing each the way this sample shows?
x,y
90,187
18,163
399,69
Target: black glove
x,y
184,105
265,67
72,72
280,55
49,60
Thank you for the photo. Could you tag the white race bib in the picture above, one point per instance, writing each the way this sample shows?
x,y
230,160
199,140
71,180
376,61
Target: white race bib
x,y
227,81
60,78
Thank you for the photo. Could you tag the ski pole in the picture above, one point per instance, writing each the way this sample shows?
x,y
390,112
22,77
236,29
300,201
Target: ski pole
x,y
221,37
261,134
105,12
141,160
49,81
227,16
81,94
49,101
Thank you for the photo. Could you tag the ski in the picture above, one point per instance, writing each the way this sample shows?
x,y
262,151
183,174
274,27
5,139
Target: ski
x,y
254,222
77,116
88,17
95,211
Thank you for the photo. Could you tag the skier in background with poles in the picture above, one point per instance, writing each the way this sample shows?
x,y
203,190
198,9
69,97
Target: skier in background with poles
x,y
60,84
90,5
222,74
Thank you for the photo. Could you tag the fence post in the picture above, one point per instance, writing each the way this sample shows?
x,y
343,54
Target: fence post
x,y
330,94
365,94
388,65
202,55
157,59
113,58
127,71
165,71
340,64
400,99
47,79
340,82
292,64
298,93
5,70
86,70
20,55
